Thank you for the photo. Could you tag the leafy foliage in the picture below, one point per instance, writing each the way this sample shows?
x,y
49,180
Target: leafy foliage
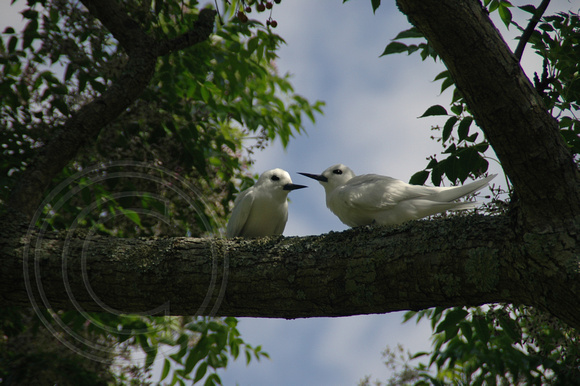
x,y
186,133
556,40
492,345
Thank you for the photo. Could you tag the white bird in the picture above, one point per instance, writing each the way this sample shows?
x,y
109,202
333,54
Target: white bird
x,y
262,210
375,199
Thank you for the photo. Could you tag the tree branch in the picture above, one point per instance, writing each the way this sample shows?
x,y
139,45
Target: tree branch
x,y
530,29
116,19
457,261
201,30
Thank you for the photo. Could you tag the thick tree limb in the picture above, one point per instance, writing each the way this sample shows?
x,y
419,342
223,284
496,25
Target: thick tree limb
x,y
84,126
457,261
506,106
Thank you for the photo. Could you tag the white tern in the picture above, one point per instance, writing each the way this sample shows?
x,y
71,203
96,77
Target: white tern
x,y
375,199
262,210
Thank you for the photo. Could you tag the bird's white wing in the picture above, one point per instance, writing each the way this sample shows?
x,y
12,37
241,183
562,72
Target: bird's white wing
x,y
373,191
242,207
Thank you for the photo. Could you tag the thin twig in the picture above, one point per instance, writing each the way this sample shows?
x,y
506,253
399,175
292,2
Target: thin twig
x,y
530,29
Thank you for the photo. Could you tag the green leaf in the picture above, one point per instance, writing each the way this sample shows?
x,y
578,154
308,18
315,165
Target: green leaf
x,y
166,368
448,128
463,129
132,215
466,330
451,167
505,15
200,372
436,175
411,33
204,93
434,110
451,323
213,379
12,44
529,8
60,105
452,318
481,329
419,178
511,328
375,4
394,48
150,358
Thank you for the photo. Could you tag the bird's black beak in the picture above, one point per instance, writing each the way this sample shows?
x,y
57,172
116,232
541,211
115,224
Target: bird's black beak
x,y
317,177
293,186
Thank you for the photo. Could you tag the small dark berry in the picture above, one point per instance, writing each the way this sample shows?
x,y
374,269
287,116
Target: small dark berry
x,y
269,5
261,7
277,1
242,17
248,9
274,23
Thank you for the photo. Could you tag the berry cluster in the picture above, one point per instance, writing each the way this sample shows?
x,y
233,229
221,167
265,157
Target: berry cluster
x,y
261,6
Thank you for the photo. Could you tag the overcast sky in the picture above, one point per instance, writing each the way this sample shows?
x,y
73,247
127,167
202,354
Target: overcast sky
x,y
370,124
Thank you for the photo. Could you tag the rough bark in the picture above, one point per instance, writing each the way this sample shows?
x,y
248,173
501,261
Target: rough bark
x,y
449,262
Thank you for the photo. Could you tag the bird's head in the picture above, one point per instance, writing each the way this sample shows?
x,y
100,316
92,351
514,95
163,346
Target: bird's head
x,y
333,177
277,181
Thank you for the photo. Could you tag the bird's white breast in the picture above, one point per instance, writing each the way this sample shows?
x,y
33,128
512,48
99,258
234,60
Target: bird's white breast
x,y
267,216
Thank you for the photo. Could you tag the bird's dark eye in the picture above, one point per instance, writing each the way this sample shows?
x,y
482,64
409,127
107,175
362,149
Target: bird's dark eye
x,y
337,171
275,178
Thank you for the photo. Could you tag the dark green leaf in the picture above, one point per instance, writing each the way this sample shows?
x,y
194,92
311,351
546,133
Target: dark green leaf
x,y
448,128
375,4
472,137
452,318
60,105
466,330
394,48
457,108
463,128
528,8
434,110
12,44
213,379
436,175
410,33
419,178
451,167
166,368
511,328
481,329
150,357
450,149
200,372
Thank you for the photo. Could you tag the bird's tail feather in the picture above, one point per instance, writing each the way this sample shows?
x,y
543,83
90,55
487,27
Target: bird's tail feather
x,y
454,193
